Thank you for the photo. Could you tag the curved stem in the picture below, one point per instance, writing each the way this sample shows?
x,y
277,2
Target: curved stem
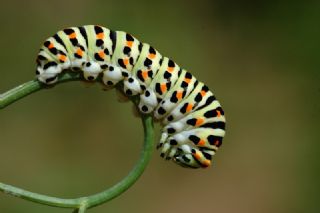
x,y
81,203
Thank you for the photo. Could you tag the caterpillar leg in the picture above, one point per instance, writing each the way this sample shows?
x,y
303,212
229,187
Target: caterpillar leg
x,y
166,147
148,101
163,139
91,70
172,153
131,86
112,75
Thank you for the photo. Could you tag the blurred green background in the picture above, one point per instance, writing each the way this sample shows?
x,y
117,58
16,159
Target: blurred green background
x,y
261,58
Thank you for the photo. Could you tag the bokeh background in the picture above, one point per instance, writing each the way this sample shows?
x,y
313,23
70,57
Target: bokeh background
x,y
261,58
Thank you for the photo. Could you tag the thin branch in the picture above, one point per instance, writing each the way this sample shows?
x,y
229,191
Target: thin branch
x,y
30,87
81,203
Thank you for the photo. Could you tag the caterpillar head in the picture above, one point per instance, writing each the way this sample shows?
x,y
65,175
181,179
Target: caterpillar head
x,y
190,158
186,160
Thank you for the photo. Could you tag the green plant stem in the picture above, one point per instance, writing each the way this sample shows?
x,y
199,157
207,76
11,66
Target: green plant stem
x,y
30,87
81,203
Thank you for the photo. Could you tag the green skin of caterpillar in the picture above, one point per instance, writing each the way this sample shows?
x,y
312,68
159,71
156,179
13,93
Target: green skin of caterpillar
x,y
192,119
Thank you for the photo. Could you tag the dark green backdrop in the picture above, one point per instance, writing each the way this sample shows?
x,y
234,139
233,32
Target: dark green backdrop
x,y
261,58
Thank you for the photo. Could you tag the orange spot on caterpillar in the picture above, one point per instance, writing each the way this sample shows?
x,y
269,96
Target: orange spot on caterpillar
x,y
170,69
79,52
206,163
197,155
218,113
62,58
179,95
201,143
51,45
72,35
145,74
199,121
216,143
100,36
151,56
129,43
163,87
126,61
101,54
203,93
189,107
187,80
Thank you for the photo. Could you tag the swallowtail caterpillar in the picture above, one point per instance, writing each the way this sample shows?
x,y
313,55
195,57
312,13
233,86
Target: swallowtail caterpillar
x,y
192,118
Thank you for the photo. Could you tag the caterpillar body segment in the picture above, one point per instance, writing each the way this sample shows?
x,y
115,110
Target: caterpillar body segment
x,y
203,117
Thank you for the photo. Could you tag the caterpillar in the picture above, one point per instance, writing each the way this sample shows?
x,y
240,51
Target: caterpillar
x,y
192,120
